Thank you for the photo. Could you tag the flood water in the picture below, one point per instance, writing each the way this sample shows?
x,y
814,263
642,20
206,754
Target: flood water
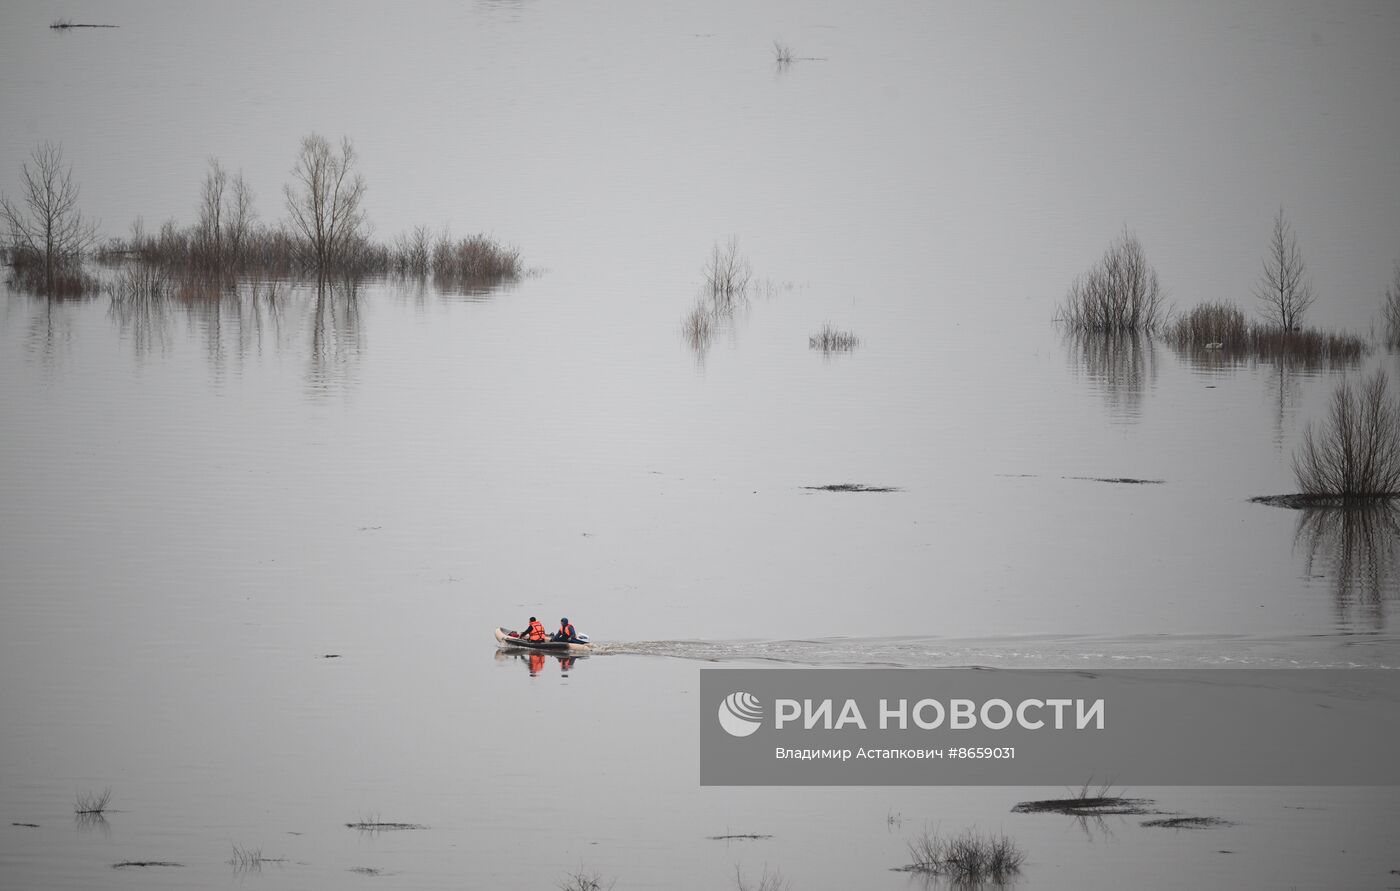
x,y
203,501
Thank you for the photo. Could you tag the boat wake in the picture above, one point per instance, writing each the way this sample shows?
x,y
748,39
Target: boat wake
x,y
1340,650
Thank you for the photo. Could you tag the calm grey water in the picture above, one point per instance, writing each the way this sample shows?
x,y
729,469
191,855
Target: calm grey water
x,y
202,501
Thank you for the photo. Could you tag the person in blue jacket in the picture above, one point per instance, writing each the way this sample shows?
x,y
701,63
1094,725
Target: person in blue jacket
x,y
566,632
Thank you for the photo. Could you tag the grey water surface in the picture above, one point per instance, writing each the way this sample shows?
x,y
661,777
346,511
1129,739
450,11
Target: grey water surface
x,y
203,501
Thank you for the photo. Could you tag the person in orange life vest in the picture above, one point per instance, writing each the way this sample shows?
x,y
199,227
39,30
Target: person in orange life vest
x,y
535,630
566,633
537,662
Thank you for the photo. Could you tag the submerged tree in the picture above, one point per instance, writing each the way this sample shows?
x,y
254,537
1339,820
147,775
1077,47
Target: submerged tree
x,y
324,201
1284,291
225,217
1119,294
46,231
1391,309
1356,451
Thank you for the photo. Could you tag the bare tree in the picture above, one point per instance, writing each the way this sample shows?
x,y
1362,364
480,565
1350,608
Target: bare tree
x,y
225,217
1119,294
1391,308
209,232
240,222
727,274
1284,291
324,201
1355,453
47,232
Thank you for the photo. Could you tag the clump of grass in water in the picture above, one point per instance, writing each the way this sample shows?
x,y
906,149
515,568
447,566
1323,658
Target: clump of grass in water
x,y
969,857
90,804
374,824
832,340
1188,823
852,487
1088,800
782,54
144,863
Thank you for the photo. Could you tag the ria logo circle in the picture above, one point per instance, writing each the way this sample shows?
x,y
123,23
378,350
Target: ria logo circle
x,y
740,714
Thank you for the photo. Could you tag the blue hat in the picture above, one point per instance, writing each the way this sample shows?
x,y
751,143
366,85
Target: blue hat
x,y
565,619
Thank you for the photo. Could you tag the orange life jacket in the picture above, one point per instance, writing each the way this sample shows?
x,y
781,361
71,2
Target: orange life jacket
x,y
566,631
536,631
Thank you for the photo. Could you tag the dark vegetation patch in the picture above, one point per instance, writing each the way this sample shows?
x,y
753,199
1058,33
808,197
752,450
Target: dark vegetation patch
x,y
144,863
1301,501
1088,806
1221,329
741,835
26,825
1189,823
1121,480
65,24
852,487
367,870
93,804
380,826
831,339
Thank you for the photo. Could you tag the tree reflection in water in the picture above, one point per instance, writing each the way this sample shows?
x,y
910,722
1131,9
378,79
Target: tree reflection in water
x,y
1121,366
1355,548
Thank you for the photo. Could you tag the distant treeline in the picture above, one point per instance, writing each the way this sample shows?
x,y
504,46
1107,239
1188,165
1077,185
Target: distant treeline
x,y
1121,295
324,231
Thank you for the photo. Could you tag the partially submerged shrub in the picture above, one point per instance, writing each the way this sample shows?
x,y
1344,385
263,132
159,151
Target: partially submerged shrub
x,y
1120,293
1355,452
1209,325
475,260
972,856
1222,326
727,274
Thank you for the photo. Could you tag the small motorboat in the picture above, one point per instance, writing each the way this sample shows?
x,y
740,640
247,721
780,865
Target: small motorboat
x,y
508,638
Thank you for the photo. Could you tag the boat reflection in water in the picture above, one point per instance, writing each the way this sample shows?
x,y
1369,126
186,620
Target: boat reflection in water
x,y
537,662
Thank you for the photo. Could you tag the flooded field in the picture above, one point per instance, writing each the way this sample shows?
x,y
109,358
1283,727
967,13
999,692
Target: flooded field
x,y
255,537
